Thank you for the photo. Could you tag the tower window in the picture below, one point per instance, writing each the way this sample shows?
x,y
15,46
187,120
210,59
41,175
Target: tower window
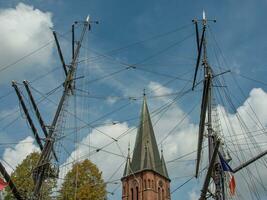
x,y
137,193
163,194
145,184
132,194
148,183
159,197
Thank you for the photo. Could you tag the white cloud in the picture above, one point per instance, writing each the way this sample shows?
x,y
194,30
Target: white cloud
x,y
158,89
249,118
107,162
111,100
247,140
182,138
23,30
257,101
193,195
14,156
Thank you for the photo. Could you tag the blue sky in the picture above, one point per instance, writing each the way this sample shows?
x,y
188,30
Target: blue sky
x,y
238,39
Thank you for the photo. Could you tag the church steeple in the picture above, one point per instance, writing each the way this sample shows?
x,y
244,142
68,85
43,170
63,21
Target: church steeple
x,y
146,154
145,175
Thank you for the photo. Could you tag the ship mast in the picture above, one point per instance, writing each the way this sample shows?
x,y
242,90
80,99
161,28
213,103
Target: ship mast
x,y
214,169
42,171
212,135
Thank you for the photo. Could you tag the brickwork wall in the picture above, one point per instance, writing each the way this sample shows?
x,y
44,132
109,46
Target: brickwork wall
x,y
146,185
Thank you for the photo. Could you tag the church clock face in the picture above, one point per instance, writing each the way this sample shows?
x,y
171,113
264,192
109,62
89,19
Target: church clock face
x,y
160,183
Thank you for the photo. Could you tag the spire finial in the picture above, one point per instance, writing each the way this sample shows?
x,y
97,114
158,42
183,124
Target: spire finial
x,y
144,92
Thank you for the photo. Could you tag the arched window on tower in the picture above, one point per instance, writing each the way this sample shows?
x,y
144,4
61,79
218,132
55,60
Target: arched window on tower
x,y
145,184
124,190
148,183
137,193
152,184
159,195
163,194
132,194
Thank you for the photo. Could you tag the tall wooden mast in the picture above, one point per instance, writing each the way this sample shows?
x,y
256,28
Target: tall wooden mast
x,y
44,166
214,169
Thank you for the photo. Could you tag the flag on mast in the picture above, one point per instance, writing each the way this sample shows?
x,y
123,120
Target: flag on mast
x,y
3,184
230,173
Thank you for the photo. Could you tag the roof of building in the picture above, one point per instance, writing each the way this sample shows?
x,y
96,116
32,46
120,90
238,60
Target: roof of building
x,y
146,154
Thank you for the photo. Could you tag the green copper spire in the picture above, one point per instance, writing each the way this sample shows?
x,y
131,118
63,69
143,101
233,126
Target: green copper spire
x,y
146,154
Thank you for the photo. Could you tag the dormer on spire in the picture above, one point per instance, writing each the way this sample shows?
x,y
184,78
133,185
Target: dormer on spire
x,y
127,169
163,165
147,161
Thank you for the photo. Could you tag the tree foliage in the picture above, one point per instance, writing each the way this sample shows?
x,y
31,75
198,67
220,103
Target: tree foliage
x,y
83,181
22,177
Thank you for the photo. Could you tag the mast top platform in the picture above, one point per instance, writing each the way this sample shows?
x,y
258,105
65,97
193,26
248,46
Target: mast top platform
x,y
204,19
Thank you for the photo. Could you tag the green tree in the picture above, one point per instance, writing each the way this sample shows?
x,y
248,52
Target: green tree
x,y
22,177
84,181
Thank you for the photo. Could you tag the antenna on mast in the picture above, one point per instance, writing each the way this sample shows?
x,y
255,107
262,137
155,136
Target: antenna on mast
x,y
87,18
203,15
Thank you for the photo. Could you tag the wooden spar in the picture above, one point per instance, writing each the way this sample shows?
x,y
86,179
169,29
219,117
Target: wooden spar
x,y
8,179
209,173
204,106
73,39
60,54
250,161
34,130
199,56
38,114
197,33
205,95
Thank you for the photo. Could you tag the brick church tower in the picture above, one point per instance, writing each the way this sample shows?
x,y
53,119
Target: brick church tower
x,y
145,176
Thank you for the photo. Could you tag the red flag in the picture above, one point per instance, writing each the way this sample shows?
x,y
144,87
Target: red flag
x,y
232,185
3,184
228,170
